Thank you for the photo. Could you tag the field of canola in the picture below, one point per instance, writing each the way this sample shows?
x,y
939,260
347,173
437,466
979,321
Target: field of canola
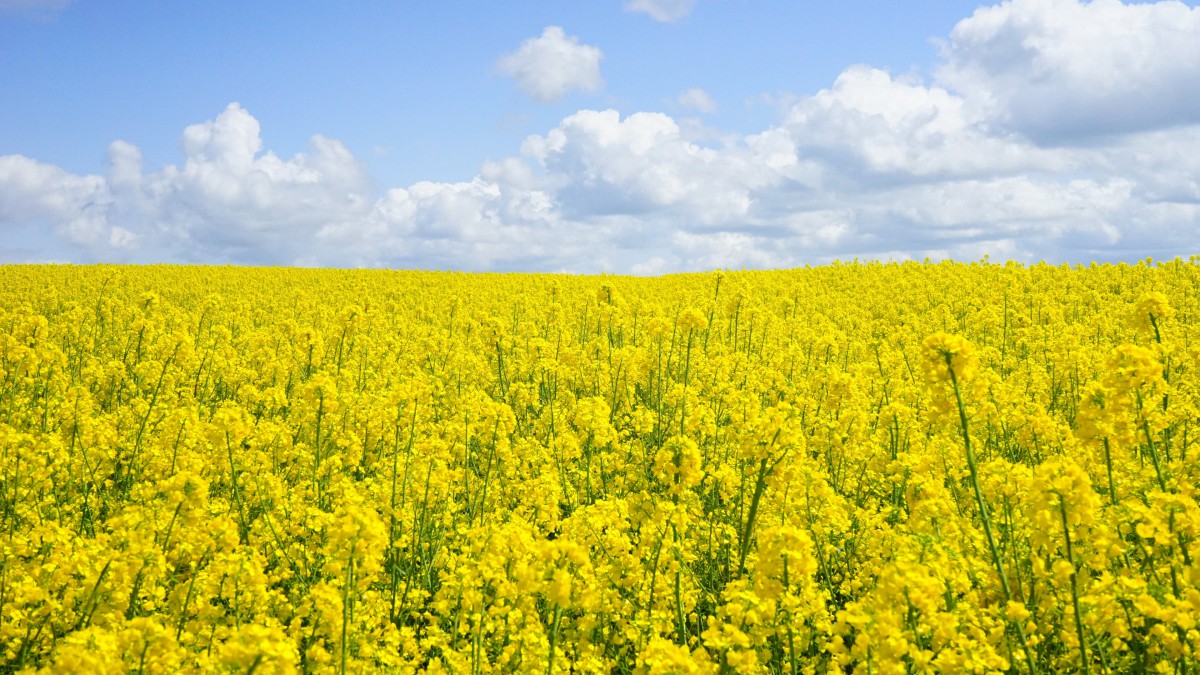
x,y
855,468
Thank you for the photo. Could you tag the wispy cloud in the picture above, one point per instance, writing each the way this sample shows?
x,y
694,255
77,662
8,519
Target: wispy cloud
x,y
697,99
662,10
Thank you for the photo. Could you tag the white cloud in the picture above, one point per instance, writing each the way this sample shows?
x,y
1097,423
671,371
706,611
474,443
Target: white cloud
x,y
229,198
871,123
730,250
602,192
652,266
662,10
549,66
1062,70
599,163
229,201
474,225
74,207
697,99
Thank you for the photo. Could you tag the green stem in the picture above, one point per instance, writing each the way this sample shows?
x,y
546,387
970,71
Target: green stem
x,y
346,599
1083,660
760,485
553,640
681,623
983,513
1112,491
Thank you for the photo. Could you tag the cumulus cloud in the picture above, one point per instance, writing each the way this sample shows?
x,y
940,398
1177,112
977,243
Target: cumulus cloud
x,y
602,164
74,207
1065,70
662,10
872,125
549,66
228,201
697,99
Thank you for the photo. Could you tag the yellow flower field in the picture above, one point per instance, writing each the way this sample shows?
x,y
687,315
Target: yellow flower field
x,y
865,468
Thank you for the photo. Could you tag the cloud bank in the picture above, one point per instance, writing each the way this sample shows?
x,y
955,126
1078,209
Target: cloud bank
x,y
1052,130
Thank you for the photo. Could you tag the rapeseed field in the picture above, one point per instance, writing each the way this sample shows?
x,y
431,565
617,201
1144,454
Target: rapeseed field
x,y
868,468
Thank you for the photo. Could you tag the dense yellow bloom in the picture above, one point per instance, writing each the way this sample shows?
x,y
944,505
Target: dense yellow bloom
x,y
668,658
691,320
862,468
945,354
677,464
1151,310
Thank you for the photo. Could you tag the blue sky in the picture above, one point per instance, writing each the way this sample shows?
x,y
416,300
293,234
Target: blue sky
x,y
642,136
